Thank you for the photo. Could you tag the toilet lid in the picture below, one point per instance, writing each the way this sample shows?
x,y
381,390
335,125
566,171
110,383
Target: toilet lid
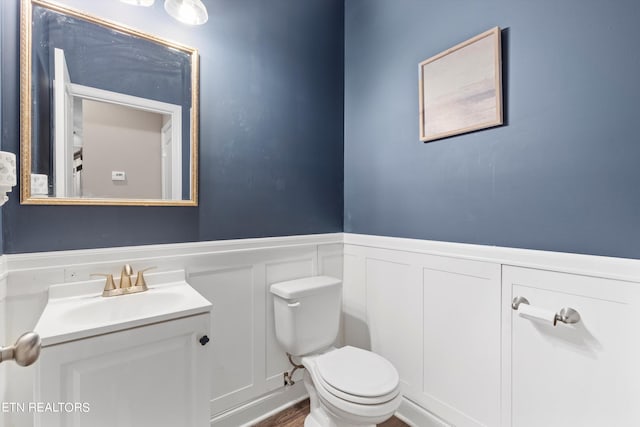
x,y
358,372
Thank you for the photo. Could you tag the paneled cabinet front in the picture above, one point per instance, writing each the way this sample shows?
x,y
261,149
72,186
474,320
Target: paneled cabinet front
x,y
584,374
155,375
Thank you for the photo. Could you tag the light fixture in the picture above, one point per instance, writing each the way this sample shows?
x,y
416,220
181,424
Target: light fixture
x,y
145,3
7,175
191,12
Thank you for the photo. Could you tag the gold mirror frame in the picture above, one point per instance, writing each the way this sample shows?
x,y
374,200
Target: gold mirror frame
x,y
26,109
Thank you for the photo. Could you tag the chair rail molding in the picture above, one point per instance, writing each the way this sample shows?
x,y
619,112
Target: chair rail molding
x,y
626,269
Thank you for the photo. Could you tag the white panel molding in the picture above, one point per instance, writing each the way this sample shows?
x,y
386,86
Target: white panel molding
x,y
596,358
33,273
394,316
462,359
25,278
586,265
4,274
331,259
37,260
231,291
437,319
3,333
275,361
468,282
234,273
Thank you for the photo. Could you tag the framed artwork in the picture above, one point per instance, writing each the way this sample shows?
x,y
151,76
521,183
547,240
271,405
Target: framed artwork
x,y
461,88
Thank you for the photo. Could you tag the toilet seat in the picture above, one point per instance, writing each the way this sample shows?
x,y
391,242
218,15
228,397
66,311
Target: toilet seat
x,y
357,413
355,383
357,399
357,376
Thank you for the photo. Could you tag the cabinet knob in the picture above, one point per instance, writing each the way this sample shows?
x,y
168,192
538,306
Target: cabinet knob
x,y
25,351
204,340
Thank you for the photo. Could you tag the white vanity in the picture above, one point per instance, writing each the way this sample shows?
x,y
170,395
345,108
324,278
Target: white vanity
x,y
129,360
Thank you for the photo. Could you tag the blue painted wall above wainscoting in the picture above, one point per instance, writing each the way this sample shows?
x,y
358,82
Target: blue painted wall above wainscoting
x,y
281,77
562,175
271,129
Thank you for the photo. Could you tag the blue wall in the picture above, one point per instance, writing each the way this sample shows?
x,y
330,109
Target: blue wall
x,y
562,175
271,129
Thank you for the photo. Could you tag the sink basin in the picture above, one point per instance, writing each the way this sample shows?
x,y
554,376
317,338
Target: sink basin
x,y
78,310
121,308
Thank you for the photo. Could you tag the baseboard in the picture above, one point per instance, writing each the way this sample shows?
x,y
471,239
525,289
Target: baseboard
x,y
253,412
417,416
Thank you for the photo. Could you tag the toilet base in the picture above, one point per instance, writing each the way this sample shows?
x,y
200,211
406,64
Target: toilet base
x,y
319,416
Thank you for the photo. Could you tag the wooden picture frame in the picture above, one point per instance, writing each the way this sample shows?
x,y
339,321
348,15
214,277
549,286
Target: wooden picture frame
x,y
460,89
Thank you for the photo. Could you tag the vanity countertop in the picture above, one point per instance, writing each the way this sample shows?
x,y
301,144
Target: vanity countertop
x,y
78,310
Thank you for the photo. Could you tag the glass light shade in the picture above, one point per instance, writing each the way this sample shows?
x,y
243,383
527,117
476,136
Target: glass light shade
x,y
7,174
145,3
191,12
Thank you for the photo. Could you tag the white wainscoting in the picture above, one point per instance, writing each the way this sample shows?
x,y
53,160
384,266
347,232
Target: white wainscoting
x,y
437,319
441,312
247,362
3,334
587,374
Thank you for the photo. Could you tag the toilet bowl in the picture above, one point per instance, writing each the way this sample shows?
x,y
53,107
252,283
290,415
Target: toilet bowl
x,y
353,386
347,386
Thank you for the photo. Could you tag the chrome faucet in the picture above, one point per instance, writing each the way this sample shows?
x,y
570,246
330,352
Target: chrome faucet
x,y
124,287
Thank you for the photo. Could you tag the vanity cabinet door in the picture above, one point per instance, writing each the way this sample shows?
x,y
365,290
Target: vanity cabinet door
x,y
155,375
583,374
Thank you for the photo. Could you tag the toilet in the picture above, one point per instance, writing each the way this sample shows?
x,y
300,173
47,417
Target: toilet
x,y
347,386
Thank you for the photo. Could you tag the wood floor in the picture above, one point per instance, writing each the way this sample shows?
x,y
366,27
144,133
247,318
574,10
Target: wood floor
x,y
294,417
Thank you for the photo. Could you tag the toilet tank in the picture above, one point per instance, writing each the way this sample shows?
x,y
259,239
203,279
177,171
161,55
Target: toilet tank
x,y
307,313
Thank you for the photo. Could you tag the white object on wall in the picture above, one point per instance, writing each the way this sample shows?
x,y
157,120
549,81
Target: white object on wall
x,y
118,176
7,175
536,313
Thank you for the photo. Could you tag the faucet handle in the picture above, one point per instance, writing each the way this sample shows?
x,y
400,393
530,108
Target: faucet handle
x,y
110,284
140,278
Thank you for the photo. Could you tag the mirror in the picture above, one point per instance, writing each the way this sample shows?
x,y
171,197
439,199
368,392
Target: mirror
x,y
109,115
